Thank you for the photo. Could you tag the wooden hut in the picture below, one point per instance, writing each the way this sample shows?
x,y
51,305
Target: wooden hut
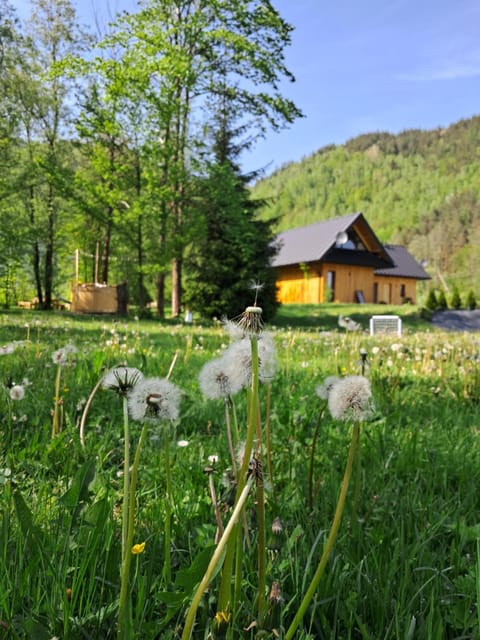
x,y
97,298
342,260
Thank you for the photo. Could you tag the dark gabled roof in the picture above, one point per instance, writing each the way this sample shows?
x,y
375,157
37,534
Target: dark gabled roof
x,y
405,264
318,242
313,242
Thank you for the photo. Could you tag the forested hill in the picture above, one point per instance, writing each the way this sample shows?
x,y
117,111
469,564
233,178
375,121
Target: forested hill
x,y
418,188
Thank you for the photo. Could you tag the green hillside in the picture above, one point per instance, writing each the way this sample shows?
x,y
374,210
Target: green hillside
x,y
418,188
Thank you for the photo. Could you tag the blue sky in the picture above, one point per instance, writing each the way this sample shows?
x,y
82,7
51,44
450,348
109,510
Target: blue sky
x,y
363,66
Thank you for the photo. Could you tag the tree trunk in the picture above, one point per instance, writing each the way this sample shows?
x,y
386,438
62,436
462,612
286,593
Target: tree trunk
x,y
106,246
49,251
160,295
176,286
35,251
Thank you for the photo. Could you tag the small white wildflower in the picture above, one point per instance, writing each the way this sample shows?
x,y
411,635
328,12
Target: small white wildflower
x,y
182,443
351,399
154,399
121,380
17,392
324,389
213,459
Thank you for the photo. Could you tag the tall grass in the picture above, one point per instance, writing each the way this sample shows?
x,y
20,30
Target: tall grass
x,y
406,568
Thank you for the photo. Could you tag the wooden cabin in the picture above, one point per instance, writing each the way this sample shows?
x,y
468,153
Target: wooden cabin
x,y
342,260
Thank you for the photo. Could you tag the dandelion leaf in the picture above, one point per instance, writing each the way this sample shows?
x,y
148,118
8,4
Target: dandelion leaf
x,y
189,578
32,532
78,491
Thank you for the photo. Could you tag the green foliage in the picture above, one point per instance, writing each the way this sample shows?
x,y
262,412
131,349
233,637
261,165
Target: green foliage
x,y
455,300
407,566
442,300
234,248
431,302
471,302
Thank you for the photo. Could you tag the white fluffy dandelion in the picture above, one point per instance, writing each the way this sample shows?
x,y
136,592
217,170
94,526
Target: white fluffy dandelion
x,y
323,390
17,392
61,356
218,378
154,399
351,399
121,380
240,355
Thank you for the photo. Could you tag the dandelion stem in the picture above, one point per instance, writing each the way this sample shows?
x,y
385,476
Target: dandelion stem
x,y
126,479
213,495
312,459
167,565
56,424
224,597
331,536
216,558
124,607
86,410
231,443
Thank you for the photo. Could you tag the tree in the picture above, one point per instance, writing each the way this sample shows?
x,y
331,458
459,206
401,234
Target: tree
x,y
471,302
442,301
43,95
180,54
431,302
234,249
456,300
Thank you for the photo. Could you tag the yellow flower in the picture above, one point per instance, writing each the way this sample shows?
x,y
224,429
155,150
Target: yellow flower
x,y
222,616
138,548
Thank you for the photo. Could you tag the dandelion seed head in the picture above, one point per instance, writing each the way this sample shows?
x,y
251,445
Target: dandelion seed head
x,y
61,356
250,321
121,380
218,378
327,385
240,355
351,399
17,392
7,349
154,399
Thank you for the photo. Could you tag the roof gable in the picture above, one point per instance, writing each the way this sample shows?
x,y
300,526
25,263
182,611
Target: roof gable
x,y
313,242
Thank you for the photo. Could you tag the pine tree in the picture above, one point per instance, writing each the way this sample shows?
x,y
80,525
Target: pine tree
x,y
456,300
431,303
442,300
234,248
471,302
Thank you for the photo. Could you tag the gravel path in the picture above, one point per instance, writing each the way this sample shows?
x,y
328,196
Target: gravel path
x,y
457,320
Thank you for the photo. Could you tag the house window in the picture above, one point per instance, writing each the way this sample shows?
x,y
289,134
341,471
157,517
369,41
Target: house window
x,y
402,291
330,286
375,292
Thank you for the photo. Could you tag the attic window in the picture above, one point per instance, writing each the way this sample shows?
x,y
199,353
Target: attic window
x,y
349,240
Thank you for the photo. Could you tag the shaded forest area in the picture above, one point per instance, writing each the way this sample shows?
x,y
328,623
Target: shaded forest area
x,y
418,188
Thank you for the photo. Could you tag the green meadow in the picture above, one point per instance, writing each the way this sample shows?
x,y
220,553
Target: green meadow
x,y
405,563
